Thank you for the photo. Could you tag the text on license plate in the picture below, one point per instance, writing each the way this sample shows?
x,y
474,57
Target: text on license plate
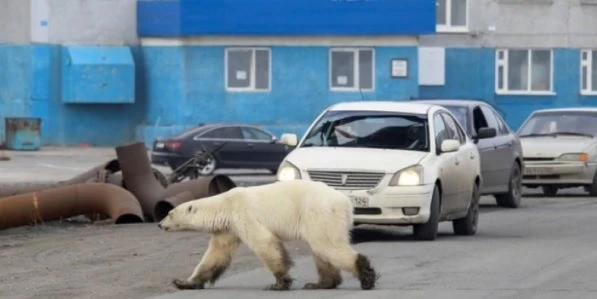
x,y
539,170
360,201
159,145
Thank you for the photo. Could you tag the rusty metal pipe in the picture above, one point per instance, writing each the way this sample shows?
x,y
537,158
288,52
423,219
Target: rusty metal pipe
x,y
69,201
140,180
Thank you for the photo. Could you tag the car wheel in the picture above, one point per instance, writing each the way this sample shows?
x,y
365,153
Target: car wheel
x,y
428,231
209,168
592,189
513,197
467,226
550,190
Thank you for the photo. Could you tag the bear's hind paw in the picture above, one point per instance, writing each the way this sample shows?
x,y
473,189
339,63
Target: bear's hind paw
x,y
184,285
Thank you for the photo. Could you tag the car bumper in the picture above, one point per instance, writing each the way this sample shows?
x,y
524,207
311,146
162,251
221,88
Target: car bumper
x,y
387,205
165,159
543,173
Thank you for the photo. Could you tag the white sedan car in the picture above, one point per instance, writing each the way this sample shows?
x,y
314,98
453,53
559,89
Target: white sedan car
x,y
560,149
402,163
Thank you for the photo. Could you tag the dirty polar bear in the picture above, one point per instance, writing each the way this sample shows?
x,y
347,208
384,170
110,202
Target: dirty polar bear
x,y
263,217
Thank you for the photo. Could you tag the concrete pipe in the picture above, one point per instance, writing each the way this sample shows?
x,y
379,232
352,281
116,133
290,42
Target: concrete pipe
x,y
69,201
141,181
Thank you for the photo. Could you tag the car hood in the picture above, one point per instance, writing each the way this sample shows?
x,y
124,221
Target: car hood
x,y
552,147
353,159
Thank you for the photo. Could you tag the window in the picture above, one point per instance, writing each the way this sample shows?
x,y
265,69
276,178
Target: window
x,y
223,133
492,122
248,69
451,15
524,71
453,128
588,72
503,129
256,134
352,69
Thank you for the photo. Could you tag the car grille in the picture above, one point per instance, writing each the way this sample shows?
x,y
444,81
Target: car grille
x,y
352,180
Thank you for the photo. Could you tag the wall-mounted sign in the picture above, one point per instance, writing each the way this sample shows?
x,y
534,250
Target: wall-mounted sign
x,y
399,68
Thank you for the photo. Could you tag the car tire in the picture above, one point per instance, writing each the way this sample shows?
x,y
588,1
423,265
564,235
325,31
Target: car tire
x,y
592,189
428,231
467,226
210,168
513,198
549,190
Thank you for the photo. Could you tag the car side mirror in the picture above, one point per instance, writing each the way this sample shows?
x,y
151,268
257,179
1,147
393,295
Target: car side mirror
x,y
274,139
450,145
486,132
289,139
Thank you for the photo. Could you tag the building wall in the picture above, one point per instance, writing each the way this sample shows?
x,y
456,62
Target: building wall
x,y
34,35
565,26
186,83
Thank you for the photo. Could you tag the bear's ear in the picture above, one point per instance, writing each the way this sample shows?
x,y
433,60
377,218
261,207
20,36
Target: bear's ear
x,y
189,209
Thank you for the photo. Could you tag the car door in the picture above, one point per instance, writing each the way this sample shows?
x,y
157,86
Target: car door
x,y
466,159
504,147
264,150
489,159
448,167
232,154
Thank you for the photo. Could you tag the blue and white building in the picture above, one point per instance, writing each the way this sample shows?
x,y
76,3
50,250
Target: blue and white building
x,y
115,71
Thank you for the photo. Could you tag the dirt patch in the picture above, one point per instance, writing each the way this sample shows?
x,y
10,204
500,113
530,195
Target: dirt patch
x,y
83,260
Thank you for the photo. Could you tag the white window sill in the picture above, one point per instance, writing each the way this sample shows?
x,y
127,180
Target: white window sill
x,y
351,89
525,93
588,93
249,90
451,29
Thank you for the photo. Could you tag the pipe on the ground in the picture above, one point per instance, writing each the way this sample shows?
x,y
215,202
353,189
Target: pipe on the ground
x,y
69,201
98,174
140,180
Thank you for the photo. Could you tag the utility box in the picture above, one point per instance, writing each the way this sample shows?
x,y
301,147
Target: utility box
x,y
22,133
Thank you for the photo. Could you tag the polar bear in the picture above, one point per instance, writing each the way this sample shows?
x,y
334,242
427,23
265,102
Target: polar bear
x,y
262,217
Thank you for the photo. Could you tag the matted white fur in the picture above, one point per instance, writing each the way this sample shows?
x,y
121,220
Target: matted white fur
x,y
264,216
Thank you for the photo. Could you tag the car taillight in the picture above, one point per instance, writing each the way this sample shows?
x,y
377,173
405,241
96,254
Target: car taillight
x,y
173,145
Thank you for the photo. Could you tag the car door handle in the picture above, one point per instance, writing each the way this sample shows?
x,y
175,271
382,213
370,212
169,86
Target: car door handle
x,y
249,144
456,161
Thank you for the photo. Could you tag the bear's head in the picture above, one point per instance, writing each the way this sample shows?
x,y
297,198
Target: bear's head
x,y
178,219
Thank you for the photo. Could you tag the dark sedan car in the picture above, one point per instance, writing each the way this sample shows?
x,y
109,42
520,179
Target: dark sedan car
x,y
245,146
501,156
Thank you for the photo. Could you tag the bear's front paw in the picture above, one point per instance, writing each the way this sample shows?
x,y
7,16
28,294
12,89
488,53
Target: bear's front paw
x,y
185,285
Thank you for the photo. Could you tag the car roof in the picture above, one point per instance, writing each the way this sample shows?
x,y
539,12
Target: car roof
x,y
392,106
568,109
452,102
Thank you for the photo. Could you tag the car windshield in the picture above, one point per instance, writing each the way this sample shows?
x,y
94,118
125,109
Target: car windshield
x,y
461,114
367,129
552,123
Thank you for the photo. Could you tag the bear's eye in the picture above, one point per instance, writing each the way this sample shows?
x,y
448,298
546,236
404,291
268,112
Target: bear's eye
x,y
189,209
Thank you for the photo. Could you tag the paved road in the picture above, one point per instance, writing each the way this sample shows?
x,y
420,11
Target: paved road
x,y
546,249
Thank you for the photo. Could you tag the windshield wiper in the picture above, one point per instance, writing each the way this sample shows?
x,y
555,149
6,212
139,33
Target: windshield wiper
x,y
574,134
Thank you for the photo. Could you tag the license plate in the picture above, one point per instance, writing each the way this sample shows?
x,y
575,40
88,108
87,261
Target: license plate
x,y
539,170
360,201
159,145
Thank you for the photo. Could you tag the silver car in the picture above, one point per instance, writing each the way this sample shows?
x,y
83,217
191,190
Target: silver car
x,y
560,149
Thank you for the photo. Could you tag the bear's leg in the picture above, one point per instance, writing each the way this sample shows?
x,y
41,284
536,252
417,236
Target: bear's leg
x,y
214,262
347,259
273,254
329,276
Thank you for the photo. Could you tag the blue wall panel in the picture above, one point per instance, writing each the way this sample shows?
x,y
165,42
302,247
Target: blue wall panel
x,y
98,75
186,86
15,82
288,17
470,73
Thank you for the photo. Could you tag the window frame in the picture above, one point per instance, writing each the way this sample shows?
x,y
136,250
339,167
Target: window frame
x,y
448,27
503,63
356,70
270,139
588,63
252,75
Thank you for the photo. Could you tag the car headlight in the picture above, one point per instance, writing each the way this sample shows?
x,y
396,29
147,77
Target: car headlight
x,y
410,176
581,157
288,172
